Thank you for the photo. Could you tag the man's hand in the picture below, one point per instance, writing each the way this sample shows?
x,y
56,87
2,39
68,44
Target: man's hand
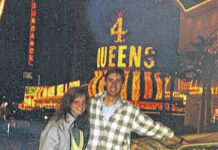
x,y
179,140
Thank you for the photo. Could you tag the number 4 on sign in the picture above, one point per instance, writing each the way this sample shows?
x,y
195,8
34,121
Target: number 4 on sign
x,y
117,28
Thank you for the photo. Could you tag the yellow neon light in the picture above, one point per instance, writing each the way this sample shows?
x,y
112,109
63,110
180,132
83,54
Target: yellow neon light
x,y
103,56
74,84
195,89
136,86
125,56
2,4
176,94
150,64
159,86
101,84
65,88
51,91
148,85
214,90
99,58
124,88
117,29
167,79
135,56
216,111
44,96
121,56
180,96
93,83
60,90
193,7
45,92
39,92
111,56
90,85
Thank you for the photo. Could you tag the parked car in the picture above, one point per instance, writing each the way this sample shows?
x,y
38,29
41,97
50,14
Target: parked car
x,y
201,146
203,141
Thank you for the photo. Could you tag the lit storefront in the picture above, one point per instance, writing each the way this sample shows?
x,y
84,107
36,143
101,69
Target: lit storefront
x,y
45,96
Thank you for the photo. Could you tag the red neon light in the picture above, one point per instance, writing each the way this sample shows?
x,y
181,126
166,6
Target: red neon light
x,y
32,28
32,43
33,13
154,105
33,5
120,14
32,35
30,59
31,50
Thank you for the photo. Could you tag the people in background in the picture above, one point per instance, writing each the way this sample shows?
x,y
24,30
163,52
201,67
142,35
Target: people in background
x,y
112,119
68,129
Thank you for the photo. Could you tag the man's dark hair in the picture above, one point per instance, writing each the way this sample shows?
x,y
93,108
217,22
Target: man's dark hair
x,y
117,71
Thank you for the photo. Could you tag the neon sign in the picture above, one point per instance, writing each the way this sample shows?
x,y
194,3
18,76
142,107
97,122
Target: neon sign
x,y
41,96
126,56
127,44
186,10
32,34
141,85
117,28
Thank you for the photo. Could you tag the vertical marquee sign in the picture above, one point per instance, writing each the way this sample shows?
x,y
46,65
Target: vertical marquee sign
x,y
32,34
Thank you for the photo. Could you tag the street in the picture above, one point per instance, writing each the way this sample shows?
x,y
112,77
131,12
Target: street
x,y
25,137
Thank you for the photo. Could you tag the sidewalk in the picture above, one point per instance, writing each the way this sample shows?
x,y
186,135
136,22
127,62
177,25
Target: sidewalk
x,y
21,137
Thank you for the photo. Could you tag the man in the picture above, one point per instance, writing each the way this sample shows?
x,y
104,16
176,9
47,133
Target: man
x,y
112,119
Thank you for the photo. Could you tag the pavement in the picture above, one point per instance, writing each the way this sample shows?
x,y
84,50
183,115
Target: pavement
x,y
23,135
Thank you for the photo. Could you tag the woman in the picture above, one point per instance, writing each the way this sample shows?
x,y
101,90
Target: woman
x,y
68,128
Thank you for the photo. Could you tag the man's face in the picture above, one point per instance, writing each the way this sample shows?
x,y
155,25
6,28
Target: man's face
x,y
114,84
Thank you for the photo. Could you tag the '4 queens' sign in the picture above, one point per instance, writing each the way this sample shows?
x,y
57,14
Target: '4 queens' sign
x,y
124,55
140,34
141,37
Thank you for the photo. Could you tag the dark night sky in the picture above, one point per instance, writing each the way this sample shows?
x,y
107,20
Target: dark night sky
x,y
149,23
63,42
69,32
61,37
14,29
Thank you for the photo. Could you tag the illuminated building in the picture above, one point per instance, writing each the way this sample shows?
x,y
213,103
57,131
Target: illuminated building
x,y
139,59
45,96
49,55
143,46
198,18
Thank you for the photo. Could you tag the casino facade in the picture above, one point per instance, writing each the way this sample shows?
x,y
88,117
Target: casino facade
x,y
144,39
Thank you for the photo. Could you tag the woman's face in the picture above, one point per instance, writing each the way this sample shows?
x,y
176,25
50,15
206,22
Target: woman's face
x,y
79,105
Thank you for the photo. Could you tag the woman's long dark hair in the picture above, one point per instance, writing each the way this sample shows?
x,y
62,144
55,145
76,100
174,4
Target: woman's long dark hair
x,y
82,121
